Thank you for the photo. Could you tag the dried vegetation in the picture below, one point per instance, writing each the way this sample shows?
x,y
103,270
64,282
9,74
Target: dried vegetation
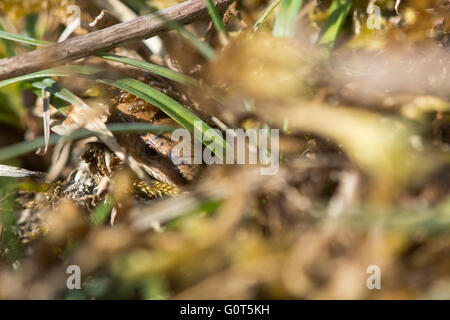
x,y
364,149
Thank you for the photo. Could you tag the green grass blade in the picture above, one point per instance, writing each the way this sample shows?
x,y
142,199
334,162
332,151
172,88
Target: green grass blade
x,y
169,106
25,147
63,71
337,15
23,39
280,20
286,17
265,14
162,71
217,21
56,90
172,108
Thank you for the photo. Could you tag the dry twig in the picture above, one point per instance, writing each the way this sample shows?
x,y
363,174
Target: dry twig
x,y
105,39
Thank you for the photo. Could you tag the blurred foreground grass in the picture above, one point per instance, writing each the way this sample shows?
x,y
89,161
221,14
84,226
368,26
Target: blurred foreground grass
x,y
364,147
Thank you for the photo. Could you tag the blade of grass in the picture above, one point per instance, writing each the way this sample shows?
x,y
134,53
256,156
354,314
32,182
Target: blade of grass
x,y
337,15
162,71
265,14
25,147
217,21
286,17
172,108
49,86
63,71
23,39
54,88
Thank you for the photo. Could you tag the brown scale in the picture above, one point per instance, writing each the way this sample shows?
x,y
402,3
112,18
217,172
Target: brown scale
x,y
101,162
101,166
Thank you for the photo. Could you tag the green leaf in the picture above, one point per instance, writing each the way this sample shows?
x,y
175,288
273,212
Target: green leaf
x,y
63,71
337,15
286,18
172,108
54,88
162,71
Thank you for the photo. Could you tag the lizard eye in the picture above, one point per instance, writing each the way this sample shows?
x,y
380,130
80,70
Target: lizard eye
x,y
150,151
